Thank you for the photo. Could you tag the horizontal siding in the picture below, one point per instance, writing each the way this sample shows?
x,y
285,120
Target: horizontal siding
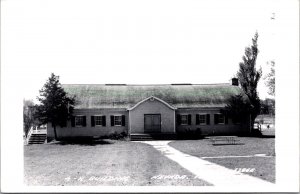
x,y
88,130
212,128
152,107
137,119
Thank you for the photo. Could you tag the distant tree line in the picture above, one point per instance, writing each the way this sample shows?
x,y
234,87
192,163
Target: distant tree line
x,y
29,119
268,106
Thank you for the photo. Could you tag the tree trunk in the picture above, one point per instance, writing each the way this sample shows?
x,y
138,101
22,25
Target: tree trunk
x,y
55,134
253,117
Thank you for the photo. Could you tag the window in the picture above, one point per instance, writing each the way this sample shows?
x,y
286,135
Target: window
x,y
202,119
79,121
117,120
220,119
184,119
98,120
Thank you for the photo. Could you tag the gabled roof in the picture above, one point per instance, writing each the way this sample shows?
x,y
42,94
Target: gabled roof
x,y
151,98
176,95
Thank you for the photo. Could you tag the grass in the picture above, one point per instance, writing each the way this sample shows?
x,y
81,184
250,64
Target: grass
x,y
264,166
113,163
267,123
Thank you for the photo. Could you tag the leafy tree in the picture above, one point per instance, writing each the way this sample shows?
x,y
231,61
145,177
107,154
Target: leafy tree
x,y
56,107
264,109
248,77
270,83
238,108
28,115
268,106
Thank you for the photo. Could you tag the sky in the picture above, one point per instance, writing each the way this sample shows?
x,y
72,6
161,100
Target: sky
x,y
133,42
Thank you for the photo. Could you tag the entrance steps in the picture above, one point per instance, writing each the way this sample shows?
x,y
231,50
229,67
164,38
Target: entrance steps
x,y
36,138
152,136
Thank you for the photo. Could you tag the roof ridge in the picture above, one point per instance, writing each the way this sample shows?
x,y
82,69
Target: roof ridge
x,y
175,84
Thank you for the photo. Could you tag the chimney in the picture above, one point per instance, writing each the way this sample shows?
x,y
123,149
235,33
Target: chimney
x,y
235,81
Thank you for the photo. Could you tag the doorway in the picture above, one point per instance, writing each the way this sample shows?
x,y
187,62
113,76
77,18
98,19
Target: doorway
x,y
152,123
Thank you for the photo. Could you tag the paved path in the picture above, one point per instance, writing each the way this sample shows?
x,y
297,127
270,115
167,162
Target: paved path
x,y
247,156
208,171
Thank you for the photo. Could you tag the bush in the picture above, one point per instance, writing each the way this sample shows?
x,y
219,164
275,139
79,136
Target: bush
x,y
190,134
118,136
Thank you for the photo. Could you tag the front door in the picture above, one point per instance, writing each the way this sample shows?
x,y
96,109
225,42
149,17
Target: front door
x,y
152,123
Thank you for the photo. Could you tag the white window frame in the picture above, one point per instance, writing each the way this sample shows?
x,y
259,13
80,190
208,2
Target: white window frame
x,y
205,119
120,120
219,119
95,120
187,119
77,116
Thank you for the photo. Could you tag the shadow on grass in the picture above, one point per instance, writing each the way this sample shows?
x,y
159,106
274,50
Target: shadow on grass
x,y
267,136
84,142
222,144
257,134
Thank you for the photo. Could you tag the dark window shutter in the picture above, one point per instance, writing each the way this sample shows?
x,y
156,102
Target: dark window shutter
x,y
197,119
84,121
189,119
73,121
226,119
93,121
112,120
123,120
216,118
103,121
208,119
178,119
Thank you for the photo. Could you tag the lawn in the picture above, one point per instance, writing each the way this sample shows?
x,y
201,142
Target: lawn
x,y
102,163
264,167
267,123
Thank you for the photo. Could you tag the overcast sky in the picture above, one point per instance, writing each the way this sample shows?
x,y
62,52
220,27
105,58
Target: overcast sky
x,y
133,41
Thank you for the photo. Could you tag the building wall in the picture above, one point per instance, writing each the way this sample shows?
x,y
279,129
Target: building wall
x,y
88,130
152,107
136,122
212,128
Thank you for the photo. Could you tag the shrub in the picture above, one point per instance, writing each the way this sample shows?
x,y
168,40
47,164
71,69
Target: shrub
x,y
118,136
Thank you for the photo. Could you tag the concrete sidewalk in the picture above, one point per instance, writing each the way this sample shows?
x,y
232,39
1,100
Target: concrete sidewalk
x,y
208,171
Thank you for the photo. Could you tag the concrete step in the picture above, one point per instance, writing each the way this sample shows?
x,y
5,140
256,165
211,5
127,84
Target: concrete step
x,y
148,137
38,135
36,142
37,138
141,139
42,136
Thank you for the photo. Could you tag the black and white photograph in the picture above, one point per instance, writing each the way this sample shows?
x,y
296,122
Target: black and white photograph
x,y
149,96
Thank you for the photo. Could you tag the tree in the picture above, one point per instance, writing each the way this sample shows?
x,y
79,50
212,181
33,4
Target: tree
x,y
270,77
56,107
28,115
268,106
238,108
248,77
